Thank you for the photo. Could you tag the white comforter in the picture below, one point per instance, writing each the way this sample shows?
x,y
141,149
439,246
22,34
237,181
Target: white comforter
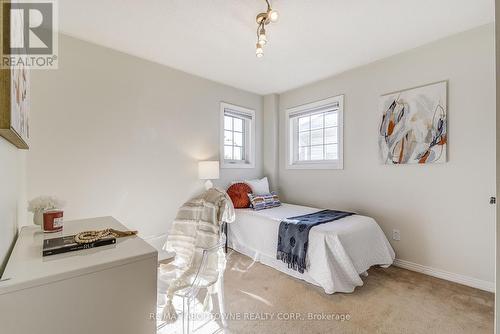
x,y
338,251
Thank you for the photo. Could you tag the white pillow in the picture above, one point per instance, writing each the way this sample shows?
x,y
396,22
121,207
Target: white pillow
x,y
259,187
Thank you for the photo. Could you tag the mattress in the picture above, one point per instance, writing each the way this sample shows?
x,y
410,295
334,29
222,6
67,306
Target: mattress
x,y
339,252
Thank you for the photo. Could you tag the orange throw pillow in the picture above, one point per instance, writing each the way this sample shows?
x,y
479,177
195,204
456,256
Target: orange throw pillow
x,y
238,193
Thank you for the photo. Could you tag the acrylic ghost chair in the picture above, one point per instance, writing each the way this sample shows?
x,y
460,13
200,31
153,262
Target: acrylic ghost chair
x,y
203,278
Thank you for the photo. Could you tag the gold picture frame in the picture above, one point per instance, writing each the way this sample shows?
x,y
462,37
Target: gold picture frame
x,y
14,89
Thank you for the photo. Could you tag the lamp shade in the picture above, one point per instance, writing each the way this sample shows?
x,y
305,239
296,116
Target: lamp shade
x,y
208,170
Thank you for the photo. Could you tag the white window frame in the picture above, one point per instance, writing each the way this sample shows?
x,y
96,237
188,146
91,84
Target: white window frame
x,y
248,140
292,162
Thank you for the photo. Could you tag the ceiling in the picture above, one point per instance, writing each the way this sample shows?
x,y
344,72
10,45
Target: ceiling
x,y
313,39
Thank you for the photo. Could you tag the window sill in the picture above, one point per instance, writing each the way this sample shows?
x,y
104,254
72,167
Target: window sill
x,y
227,165
338,165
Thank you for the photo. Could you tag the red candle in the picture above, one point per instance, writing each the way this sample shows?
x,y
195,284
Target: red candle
x,y
52,221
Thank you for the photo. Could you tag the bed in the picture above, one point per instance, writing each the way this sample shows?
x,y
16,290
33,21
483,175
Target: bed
x,y
339,252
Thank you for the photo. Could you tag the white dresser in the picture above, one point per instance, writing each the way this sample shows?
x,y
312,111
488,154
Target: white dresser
x,y
104,290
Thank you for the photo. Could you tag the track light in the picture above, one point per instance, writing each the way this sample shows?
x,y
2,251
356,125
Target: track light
x,y
262,37
259,51
264,19
273,15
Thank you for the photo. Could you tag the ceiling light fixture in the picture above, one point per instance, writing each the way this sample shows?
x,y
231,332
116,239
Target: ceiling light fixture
x,y
262,37
259,52
264,19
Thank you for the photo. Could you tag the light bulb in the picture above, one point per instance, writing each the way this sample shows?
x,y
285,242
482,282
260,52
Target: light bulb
x,y
273,15
262,39
259,52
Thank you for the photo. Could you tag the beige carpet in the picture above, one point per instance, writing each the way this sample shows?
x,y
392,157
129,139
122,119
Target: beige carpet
x,y
392,300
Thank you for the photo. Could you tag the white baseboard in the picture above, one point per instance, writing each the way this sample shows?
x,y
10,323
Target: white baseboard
x,y
446,275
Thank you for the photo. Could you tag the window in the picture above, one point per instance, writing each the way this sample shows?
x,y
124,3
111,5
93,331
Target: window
x,y
237,136
315,135
234,137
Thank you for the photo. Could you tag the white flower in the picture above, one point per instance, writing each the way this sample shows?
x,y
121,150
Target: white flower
x,y
45,203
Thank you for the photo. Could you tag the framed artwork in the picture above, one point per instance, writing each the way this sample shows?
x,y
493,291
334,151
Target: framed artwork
x,y
14,88
413,125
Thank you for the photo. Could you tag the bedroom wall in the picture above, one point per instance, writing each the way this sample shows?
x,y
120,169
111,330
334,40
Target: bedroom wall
x,y
12,200
497,58
116,135
442,210
270,134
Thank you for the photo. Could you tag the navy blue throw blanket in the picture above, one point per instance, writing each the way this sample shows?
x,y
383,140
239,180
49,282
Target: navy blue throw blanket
x,y
293,236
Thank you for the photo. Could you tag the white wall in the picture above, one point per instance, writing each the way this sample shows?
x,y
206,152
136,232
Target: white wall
x,y
116,135
12,200
497,44
270,135
442,210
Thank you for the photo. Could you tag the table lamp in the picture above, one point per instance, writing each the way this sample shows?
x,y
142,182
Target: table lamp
x,y
208,170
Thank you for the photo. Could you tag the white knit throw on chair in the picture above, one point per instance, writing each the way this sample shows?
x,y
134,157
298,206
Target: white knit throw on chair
x,y
196,226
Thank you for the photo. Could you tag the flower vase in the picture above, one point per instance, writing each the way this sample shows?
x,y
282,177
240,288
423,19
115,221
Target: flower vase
x,y
38,218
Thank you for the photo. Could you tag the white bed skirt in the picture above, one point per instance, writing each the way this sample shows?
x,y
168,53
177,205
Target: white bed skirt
x,y
338,251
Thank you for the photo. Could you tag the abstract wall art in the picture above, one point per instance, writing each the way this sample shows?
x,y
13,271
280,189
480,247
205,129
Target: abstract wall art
x,y
413,126
14,88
